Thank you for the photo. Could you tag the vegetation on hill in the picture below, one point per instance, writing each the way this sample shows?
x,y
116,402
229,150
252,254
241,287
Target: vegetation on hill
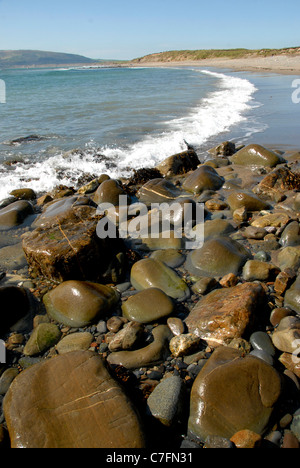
x,y
28,58
186,55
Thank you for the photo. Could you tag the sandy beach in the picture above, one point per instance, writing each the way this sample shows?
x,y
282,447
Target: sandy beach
x,y
283,64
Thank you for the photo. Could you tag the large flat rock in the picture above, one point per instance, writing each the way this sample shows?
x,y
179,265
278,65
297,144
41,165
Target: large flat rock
x,y
71,401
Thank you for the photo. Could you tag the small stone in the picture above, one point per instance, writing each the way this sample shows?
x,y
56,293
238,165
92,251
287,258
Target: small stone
x,y
75,342
278,314
246,440
229,281
6,379
114,324
240,215
183,345
252,232
287,335
295,427
283,281
167,402
290,441
216,442
204,285
42,338
176,325
262,342
127,338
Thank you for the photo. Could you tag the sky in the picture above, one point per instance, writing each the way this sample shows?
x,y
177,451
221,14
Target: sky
x,y
127,29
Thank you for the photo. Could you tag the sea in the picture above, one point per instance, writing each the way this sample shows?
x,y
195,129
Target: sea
x,y
84,122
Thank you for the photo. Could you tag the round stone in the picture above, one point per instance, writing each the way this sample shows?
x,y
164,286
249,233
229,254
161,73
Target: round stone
x,y
148,306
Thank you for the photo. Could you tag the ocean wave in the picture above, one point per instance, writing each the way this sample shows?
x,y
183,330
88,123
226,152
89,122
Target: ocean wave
x,y
223,108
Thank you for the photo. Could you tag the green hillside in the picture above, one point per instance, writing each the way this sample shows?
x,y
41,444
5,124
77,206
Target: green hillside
x,y
29,58
186,55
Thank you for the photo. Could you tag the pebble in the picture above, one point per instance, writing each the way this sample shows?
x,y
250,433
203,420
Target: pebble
x,y
261,341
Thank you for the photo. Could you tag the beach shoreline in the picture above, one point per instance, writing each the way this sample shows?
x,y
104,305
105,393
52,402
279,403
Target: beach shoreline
x,y
281,64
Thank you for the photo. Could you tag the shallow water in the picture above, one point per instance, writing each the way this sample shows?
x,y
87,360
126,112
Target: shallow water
x,y
122,119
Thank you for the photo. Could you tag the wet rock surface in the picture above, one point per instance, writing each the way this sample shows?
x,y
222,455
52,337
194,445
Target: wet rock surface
x,y
130,343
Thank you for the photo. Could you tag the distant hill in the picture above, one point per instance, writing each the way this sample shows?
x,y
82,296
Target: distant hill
x,y
36,58
186,55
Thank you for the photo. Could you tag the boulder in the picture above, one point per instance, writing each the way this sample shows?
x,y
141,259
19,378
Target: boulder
x,y
227,148
24,194
148,306
277,183
260,271
251,202
78,303
71,401
15,214
256,155
233,393
158,191
69,249
150,273
109,192
225,314
204,178
179,163
217,257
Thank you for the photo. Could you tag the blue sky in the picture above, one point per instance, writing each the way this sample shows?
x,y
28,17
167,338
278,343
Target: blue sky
x,y
126,29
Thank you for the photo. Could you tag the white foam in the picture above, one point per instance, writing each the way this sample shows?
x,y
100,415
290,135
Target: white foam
x,y
217,113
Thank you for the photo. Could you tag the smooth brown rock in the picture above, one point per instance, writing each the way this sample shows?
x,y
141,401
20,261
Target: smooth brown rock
x,y
24,194
70,401
246,200
79,303
151,355
150,273
262,271
109,192
158,191
225,314
256,155
15,214
179,163
217,257
204,178
233,393
148,306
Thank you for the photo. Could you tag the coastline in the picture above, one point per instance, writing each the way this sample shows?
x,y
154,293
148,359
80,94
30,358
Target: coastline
x,y
281,64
